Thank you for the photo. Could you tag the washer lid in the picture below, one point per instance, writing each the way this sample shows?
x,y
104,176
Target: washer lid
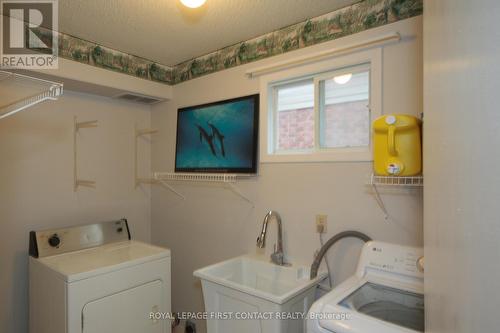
x,y
83,264
373,307
395,306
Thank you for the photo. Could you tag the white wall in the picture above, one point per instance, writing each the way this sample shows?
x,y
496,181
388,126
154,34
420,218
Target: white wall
x,y
461,163
213,224
36,182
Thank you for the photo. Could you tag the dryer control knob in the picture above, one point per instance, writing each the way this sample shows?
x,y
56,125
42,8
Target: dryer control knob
x,y
54,240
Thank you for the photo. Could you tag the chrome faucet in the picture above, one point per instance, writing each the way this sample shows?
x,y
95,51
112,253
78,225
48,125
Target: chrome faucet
x,y
278,256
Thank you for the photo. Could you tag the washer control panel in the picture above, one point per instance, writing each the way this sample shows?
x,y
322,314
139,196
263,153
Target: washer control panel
x,y
391,258
57,241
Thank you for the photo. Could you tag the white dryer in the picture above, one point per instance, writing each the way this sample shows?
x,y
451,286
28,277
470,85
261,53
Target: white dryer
x,y
94,279
384,296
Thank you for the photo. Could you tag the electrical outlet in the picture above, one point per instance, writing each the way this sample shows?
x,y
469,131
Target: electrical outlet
x,y
321,223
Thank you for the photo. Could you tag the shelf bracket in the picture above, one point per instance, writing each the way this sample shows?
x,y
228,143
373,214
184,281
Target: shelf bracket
x,y
76,127
380,202
171,188
237,191
85,183
137,134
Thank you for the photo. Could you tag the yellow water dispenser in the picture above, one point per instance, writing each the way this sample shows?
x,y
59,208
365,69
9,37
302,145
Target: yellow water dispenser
x,y
397,145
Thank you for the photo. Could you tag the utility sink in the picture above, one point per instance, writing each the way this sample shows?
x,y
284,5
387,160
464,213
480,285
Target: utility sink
x,y
250,284
260,278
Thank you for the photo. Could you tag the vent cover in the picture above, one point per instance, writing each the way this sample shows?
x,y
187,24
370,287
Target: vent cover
x,y
138,98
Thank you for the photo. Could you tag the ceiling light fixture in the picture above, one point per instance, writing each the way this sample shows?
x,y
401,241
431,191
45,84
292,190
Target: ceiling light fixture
x,y
193,3
342,79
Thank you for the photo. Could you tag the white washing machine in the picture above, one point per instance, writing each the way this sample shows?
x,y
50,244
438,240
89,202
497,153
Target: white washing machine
x,y
384,296
94,279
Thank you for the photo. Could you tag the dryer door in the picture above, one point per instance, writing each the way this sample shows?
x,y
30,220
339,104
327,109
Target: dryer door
x,y
126,312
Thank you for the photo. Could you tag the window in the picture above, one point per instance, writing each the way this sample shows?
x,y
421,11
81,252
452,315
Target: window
x,y
325,116
294,118
344,110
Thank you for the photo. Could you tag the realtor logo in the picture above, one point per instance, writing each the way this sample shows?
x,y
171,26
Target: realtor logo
x,y
28,34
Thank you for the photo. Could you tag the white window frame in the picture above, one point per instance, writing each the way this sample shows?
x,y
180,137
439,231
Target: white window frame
x,y
318,71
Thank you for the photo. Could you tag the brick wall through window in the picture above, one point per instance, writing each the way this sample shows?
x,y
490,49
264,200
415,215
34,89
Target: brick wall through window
x,y
296,129
344,125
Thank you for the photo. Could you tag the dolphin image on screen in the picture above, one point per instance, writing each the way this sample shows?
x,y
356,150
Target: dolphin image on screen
x,y
217,134
208,138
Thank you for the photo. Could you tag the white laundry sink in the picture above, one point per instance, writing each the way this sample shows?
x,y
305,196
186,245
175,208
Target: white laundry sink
x,y
253,292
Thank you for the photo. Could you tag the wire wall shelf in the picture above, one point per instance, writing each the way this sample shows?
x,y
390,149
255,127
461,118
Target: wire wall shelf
x,y
197,177
396,181
222,178
37,91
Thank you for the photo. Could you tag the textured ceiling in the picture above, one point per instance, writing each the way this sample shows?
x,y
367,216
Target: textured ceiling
x,y
166,32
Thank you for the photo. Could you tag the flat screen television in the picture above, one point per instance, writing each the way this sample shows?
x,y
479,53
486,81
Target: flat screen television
x,y
220,137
